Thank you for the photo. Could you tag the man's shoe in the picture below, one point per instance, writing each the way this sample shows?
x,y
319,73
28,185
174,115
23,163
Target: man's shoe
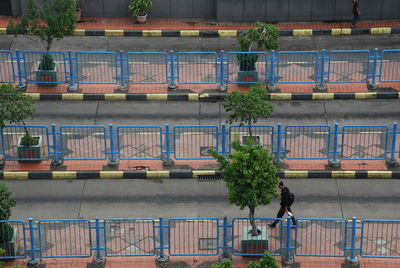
x,y
271,225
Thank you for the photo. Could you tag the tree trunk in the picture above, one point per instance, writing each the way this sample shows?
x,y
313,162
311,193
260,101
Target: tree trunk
x,y
254,231
49,43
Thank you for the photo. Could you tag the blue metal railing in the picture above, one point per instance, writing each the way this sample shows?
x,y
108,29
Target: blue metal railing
x,y
221,69
350,142
315,237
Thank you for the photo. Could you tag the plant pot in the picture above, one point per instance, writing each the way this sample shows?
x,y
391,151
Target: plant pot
x,y
29,153
141,19
78,14
254,245
45,77
251,77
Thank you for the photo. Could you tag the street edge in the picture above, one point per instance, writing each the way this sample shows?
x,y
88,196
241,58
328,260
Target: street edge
x,y
229,33
206,96
191,174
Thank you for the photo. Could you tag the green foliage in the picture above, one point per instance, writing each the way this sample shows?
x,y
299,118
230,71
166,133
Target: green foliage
x,y
224,264
6,202
265,36
248,107
28,140
48,19
46,62
15,106
139,7
6,232
267,261
249,174
247,61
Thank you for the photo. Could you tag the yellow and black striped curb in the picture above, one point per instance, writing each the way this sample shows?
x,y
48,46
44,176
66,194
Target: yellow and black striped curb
x,y
190,174
208,96
228,33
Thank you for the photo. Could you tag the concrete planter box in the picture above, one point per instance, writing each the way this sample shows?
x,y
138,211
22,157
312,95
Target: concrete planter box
x,y
247,76
45,77
29,153
254,245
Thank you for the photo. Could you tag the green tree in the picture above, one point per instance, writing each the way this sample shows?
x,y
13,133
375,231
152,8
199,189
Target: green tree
x,y
265,36
250,176
248,107
47,19
267,261
15,106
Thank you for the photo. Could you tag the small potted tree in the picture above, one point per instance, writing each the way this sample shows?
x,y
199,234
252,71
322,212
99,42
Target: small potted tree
x,y
265,36
15,106
7,232
139,9
46,71
78,9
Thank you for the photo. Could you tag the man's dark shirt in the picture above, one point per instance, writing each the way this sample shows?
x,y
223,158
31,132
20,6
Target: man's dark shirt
x,y
285,197
355,8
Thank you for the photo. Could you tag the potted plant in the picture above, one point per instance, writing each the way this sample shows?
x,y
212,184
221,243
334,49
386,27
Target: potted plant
x,y
78,13
46,71
139,9
15,107
29,148
264,36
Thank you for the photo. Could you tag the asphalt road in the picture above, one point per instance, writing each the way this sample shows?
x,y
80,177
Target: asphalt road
x,y
321,198
139,44
349,112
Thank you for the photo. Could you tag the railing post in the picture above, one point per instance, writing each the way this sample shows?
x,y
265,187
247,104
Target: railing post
x,y
335,161
222,85
112,161
98,259
123,87
321,85
288,258
56,161
392,161
225,237
278,157
33,260
172,84
161,257
271,85
352,259
373,84
73,87
166,157
223,139
20,85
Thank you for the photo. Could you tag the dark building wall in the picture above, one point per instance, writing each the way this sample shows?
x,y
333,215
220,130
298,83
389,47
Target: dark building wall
x,y
242,10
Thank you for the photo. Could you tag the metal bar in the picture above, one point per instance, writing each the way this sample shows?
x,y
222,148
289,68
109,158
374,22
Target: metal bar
x,y
19,69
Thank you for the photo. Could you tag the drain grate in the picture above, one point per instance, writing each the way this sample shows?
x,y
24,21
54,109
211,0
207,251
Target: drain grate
x,y
209,177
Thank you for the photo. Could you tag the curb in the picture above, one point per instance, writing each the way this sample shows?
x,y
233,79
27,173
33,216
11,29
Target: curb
x,y
191,174
208,96
229,33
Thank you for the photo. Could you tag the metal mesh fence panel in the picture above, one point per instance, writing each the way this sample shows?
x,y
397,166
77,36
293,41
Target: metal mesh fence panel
x,y
364,142
197,67
195,142
348,66
307,142
65,238
196,236
390,66
297,67
129,237
83,142
97,67
147,68
7,73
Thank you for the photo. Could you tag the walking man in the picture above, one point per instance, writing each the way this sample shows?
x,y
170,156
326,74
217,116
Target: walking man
x,y
356,12
286,202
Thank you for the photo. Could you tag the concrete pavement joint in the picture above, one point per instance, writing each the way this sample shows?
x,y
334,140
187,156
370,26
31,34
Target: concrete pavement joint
x,y
191,174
